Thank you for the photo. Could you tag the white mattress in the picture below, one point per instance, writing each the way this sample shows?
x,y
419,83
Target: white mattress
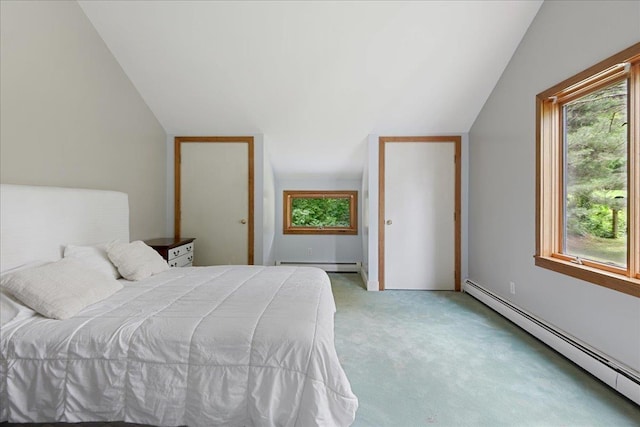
x,y
200,346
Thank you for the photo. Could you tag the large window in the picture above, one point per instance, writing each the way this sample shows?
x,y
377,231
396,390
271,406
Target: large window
x,y
320,212
588,178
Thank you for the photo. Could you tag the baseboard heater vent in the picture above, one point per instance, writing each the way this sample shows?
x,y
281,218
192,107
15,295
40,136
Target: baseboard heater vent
x,y
621,378
338,267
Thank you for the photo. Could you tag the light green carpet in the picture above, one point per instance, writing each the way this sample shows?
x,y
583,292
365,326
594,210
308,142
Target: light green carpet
x,y
442,358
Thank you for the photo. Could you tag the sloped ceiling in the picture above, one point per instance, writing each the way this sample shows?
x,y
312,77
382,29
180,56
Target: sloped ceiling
x,y
314,77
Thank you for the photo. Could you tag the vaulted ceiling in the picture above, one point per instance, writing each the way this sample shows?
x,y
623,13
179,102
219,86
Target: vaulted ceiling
x,y
314,77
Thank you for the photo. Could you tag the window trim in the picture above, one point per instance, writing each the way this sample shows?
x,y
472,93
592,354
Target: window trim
x,y
549,167
287,201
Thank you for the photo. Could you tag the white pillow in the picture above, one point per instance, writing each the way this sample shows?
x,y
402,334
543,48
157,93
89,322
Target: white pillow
x,y
60,289
11,309
94,257
136,260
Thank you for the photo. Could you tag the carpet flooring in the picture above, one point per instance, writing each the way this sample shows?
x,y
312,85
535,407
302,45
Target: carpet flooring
x,y
442,358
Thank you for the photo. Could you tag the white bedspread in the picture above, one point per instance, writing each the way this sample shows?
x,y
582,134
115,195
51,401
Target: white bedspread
x,y
200,346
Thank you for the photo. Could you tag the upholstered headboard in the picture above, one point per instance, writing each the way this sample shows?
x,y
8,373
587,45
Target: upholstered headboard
x,y
37,222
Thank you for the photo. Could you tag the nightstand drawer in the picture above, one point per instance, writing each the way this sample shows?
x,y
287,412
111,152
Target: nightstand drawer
x,y
185,260
180,251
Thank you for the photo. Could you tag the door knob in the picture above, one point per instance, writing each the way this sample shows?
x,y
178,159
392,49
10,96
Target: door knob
x,y
389,222
243,221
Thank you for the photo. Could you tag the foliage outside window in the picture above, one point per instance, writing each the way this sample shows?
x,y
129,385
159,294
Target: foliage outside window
x,y
596,147
588,178
320,212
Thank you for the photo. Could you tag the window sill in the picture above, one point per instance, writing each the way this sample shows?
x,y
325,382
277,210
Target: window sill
x,y
613,281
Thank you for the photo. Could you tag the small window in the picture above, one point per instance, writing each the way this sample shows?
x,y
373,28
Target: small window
x,y
320,212
588,174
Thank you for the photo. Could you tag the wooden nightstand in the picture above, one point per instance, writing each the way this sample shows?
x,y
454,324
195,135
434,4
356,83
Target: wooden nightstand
x,y
177,252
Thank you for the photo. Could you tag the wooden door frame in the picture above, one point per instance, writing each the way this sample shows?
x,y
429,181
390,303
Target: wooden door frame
x,y
178,141
457,141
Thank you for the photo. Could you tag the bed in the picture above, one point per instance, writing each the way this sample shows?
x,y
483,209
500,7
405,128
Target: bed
x,y
197,346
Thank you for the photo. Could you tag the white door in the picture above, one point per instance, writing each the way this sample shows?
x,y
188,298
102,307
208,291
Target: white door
x,y
214,199
419,206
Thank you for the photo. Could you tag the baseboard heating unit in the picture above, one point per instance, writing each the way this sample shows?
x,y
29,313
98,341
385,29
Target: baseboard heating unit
x,y
337,267
620,378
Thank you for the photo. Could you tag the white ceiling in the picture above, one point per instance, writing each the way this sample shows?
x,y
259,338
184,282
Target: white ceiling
x,y
314,77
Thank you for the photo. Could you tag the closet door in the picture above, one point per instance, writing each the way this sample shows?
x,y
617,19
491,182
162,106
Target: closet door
x,y
214,198
419,232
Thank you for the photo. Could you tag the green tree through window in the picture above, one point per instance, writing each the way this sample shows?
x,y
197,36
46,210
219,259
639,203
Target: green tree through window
x,y
320,212
596,175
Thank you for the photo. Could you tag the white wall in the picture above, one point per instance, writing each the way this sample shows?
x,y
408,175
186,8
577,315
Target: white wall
x,y
464,207
366,224
564,39
69,115
269,210
372,169
373,281
258,200
324,248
